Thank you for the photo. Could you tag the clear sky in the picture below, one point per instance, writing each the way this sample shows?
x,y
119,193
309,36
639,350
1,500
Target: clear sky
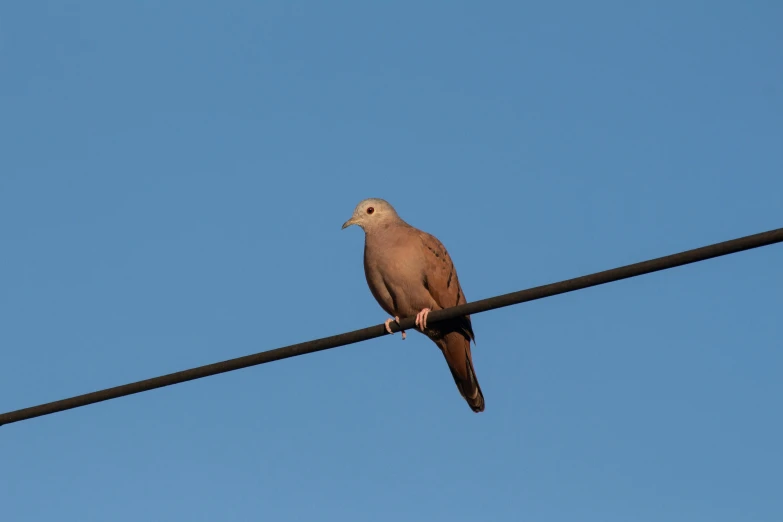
x,y
173,177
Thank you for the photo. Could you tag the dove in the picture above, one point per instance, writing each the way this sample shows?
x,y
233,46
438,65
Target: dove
x,y
409,273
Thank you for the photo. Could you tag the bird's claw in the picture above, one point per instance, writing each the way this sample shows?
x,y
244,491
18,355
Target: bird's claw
x,y
421,318
388,328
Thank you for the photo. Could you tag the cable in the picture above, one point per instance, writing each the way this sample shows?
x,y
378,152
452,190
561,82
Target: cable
x,y
539,292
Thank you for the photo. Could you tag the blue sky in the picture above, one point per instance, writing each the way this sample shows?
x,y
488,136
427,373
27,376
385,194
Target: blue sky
x,y
173,179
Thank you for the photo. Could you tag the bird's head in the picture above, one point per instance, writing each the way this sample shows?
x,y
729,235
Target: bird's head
x,y
372,212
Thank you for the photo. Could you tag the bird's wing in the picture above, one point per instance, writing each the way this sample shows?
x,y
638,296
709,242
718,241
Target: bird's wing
x,y
440,279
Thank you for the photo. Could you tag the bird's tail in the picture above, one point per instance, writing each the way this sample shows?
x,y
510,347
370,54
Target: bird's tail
x,y
456,349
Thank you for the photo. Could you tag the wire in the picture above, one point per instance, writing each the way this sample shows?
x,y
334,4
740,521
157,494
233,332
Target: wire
x,y
624,272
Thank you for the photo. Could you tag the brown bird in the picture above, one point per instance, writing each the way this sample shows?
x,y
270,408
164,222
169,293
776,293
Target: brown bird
x,y
410,273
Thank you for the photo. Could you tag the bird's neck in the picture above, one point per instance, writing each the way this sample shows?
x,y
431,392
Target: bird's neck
x,y
384,235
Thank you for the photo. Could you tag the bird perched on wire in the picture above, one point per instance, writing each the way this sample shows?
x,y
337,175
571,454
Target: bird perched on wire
x,y
409,273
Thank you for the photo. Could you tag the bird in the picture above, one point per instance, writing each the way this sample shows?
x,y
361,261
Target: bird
x,y
409,273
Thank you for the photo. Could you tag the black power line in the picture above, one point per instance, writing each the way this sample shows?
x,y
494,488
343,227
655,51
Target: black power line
x,y
539,292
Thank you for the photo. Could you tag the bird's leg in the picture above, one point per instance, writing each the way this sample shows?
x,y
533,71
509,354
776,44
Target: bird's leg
x,y
421,318
388,328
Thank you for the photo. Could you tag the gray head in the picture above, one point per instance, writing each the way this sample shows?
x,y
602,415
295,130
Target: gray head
x,y
371,213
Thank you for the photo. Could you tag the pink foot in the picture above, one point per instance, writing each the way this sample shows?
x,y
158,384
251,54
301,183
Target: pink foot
x,y
421,318
388,328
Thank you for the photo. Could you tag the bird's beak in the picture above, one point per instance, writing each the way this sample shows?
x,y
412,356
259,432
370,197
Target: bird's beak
x,y
348,223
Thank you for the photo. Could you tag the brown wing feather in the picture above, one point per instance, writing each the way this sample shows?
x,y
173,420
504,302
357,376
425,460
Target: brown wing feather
x,y
442,282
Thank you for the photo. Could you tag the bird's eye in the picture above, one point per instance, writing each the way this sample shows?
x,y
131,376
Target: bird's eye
x,y
370,210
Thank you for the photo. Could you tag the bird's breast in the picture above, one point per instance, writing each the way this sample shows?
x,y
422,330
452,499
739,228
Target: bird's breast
x,y
395,263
